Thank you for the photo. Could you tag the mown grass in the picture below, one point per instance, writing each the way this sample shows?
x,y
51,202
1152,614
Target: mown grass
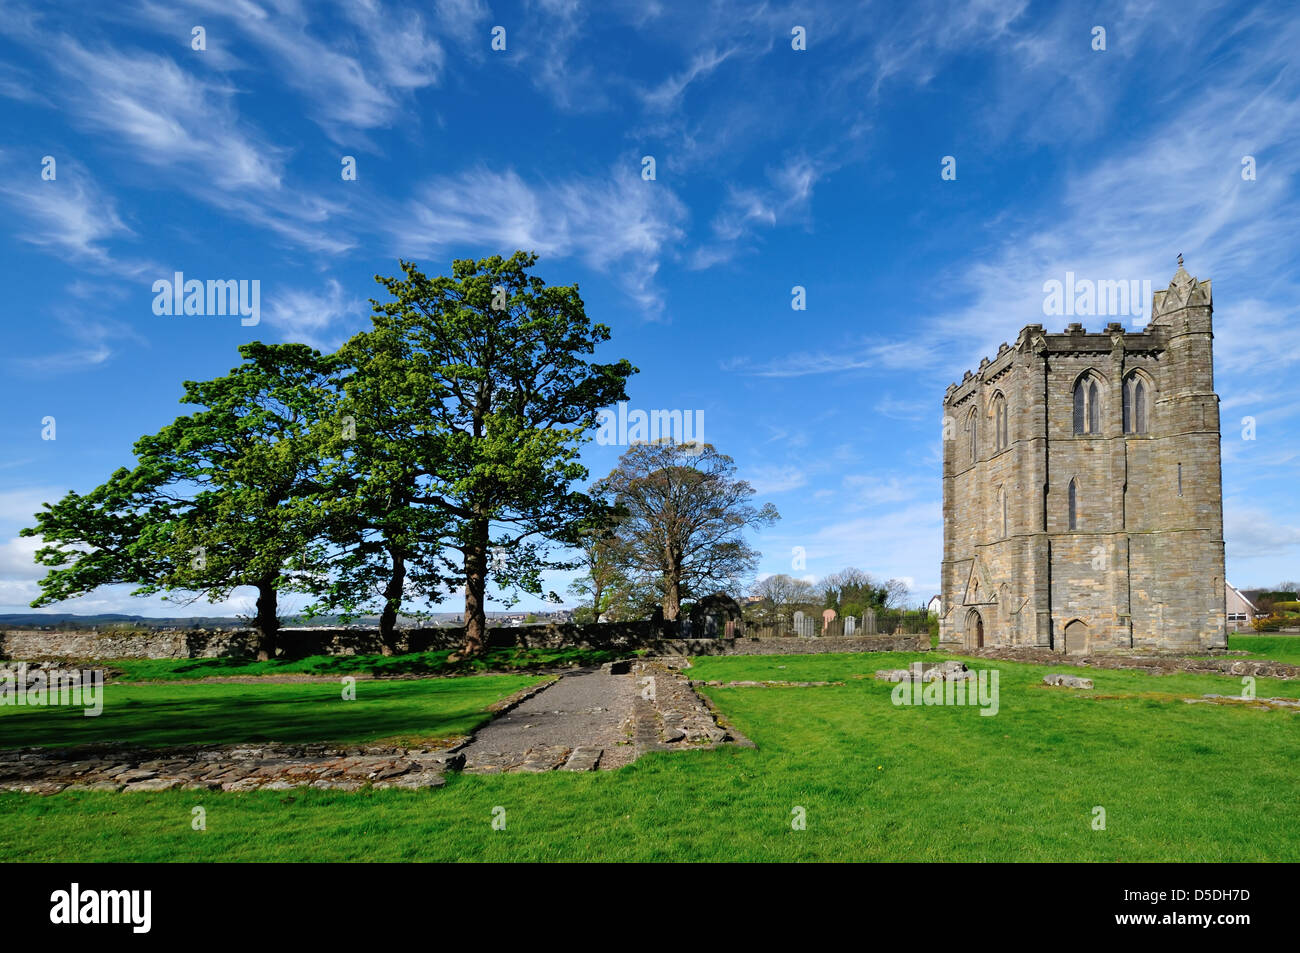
x,y
1279,648
878,782
415,663
152,715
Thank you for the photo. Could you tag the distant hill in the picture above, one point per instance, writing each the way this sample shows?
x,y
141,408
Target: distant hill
x,y
49,619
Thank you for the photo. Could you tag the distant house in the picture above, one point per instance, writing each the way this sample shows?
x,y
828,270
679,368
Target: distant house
x,y
1241,610
935,605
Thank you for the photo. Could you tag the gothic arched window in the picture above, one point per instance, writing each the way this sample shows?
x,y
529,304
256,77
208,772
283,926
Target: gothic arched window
x,y
999,423
1002,508
1074,504
972,434
1087,405
1137,395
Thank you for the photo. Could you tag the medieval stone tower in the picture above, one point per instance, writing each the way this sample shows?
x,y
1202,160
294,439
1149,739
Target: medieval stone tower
x,y
1082,493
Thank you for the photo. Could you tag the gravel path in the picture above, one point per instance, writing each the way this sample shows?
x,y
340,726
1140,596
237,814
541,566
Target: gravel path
x,y
600,720
584,718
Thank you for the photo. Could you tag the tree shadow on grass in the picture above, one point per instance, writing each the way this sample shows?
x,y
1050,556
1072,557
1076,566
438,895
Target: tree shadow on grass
x,y
416,663
291,713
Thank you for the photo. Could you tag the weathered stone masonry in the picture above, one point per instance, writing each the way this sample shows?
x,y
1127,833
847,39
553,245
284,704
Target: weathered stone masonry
x,y
1082,488
89,644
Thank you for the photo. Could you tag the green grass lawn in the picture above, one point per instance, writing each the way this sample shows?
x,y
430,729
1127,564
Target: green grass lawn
x,y
1280,648
415,663
407,710
878,782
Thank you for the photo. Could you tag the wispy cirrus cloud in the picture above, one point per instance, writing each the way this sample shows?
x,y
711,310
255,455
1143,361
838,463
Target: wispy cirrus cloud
x,y
70,215
552,56
1177,188
183,123
355,79
90,340
323,319
854,357
19,85
164,115
668,94
615,223
786,200
776,479
870,489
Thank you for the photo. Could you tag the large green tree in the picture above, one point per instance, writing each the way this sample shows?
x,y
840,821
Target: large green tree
x,y
225,497
489,385
684,513
387,546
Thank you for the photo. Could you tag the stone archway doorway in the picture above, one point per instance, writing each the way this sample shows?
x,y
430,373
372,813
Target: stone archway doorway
x,y
974,630
1076,638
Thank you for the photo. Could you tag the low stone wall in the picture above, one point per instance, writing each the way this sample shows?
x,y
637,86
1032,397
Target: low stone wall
x,y
123,643
34,644
796,646
624,636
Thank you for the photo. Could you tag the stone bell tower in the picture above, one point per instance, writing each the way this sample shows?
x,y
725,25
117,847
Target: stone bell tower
x,y
1082,488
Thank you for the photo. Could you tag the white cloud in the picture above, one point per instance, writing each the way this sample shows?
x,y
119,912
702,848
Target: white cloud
x,y
891,355
18,507
903,409
898,543
16,595
668,94
182,124
20,85
556,30
165,115
1252,531
785,201
465,20
355,78
317,318
17,559
617,224
776,479
868,489
97,340
70,214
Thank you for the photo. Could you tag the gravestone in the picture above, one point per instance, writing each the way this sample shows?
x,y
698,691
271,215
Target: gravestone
x,y
798,622
869,622
827,618
850,624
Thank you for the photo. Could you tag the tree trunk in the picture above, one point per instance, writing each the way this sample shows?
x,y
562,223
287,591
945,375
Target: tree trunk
x,y
672,599
672,565
267,621
476,556
392,601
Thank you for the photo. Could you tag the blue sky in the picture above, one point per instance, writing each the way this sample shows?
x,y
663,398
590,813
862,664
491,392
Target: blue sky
x,y
775,167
